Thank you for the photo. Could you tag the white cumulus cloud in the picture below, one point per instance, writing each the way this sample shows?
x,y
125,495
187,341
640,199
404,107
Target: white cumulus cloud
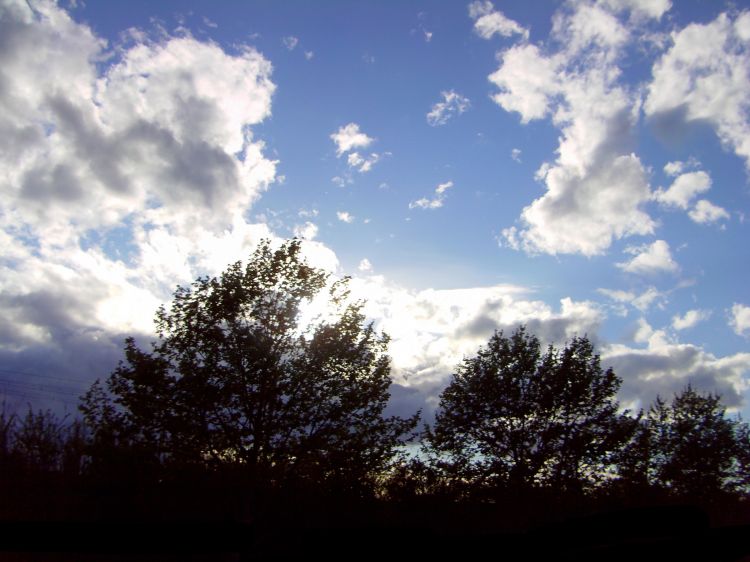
x,y
690,319
705,76
119,177
650,259
648,8
308,230
740,319
664,367
349,137
684,189
596,187
706,212
489,21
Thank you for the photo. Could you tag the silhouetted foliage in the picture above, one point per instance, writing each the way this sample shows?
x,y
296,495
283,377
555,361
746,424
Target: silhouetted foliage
x,y
41,441
514,418
689,448
234,381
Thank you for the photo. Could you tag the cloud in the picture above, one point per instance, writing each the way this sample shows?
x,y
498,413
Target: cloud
x,y
684,189
342,181
597,187
589,25
290,42
585,213
433,330
740,319
515,154
648,8
690,319
674,168
362,163
453,104
489,21
349,137
308,230
640,302
309,55
119,177
705,77
209,23
650,259
678,167
434,203
527,80
617,295
365,266
305,213
664,367
345,216
706,212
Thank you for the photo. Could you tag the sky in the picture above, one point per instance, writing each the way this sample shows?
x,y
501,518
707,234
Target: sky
x,y
579,167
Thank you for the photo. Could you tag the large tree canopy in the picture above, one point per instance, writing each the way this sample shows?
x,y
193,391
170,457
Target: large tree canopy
x,y
514,417
233,379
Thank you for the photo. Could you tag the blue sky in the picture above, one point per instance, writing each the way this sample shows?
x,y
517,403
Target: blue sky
x,y
580,167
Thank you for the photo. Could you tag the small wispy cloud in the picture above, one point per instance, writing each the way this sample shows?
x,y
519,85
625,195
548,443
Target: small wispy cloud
x,y
349,137
290,42
362,163
307,213
345,216
488,21
308,230
434,203
365,265
453,104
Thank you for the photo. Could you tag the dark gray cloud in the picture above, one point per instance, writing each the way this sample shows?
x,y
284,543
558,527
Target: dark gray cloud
x,y
58,183
675,128
667,371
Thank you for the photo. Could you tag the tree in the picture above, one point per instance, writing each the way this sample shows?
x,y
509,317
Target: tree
x,y
513,417
690,448
234,381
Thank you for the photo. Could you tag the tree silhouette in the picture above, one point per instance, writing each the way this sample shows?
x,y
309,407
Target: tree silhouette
x,y
689,448
234,381
513,417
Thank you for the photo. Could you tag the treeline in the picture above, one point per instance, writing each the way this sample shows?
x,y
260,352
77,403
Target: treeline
x,y
236,411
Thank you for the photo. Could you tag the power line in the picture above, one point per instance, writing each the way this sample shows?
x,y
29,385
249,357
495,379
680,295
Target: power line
x,y
41,387
40,375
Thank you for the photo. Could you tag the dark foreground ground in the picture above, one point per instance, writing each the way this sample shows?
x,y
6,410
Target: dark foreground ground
x,y
678,532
